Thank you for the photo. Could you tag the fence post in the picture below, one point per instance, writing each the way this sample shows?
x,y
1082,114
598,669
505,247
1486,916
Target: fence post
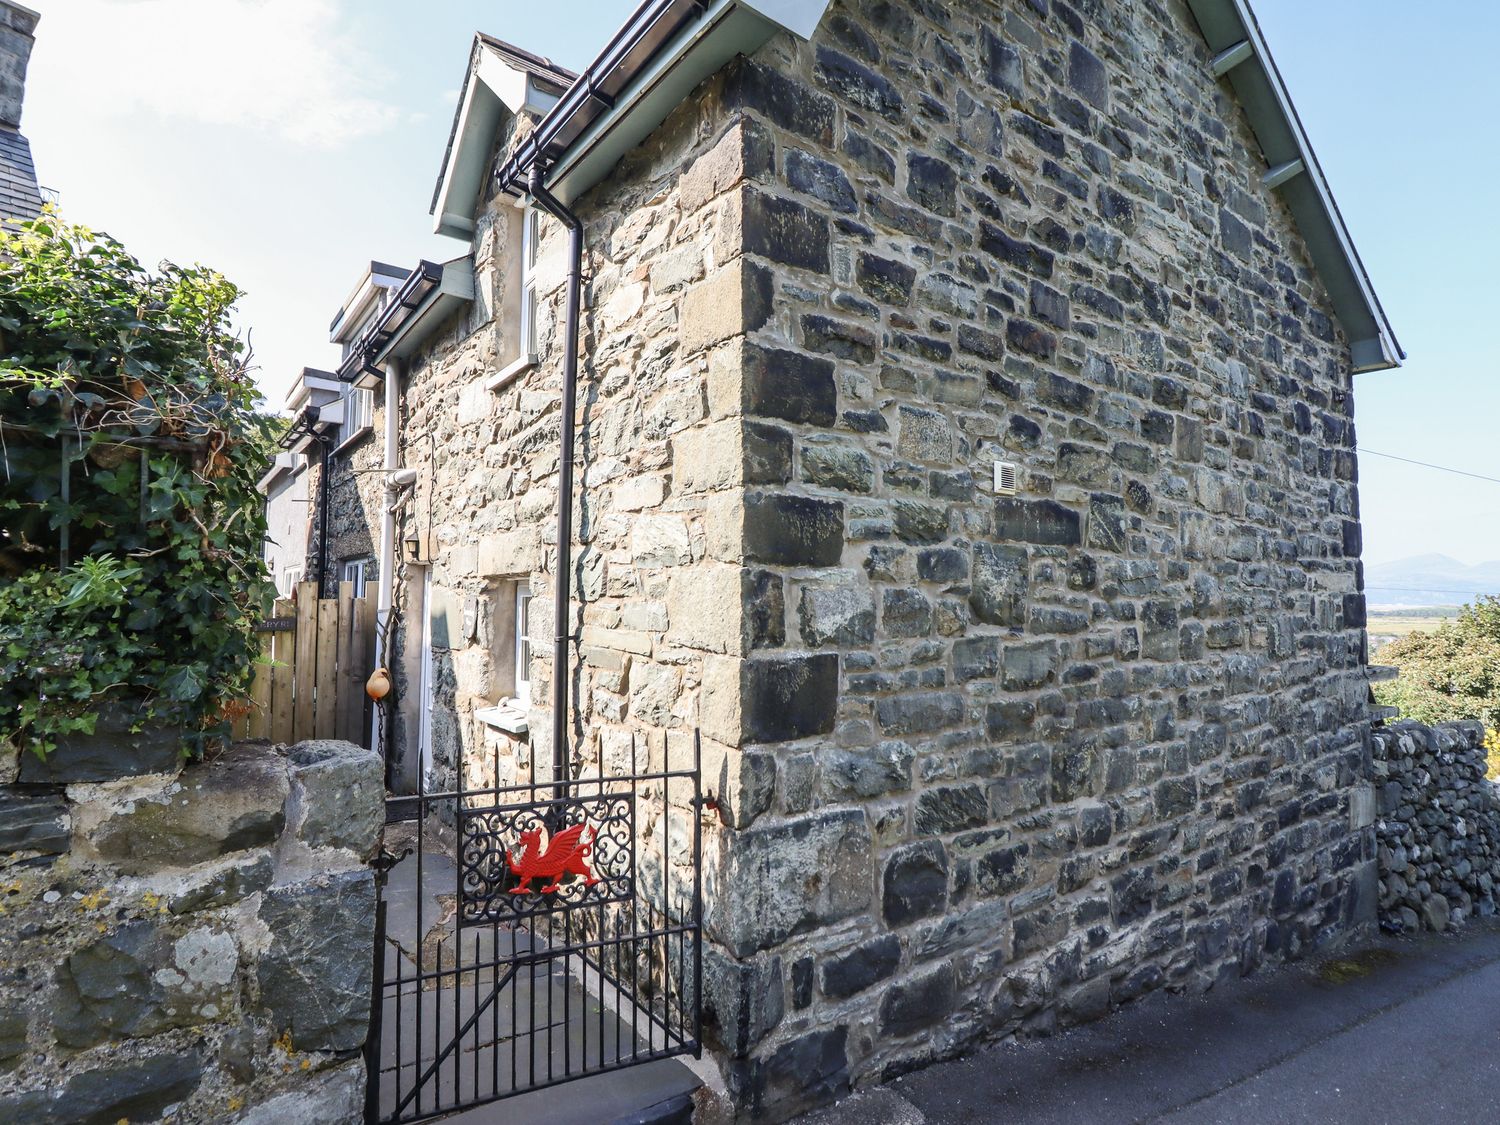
x,y
325,689
284,656
305,665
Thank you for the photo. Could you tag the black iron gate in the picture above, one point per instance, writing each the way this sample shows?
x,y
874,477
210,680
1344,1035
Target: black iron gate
x,y
531,934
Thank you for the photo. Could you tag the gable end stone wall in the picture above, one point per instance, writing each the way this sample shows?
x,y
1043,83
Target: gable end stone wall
x,y
1034,755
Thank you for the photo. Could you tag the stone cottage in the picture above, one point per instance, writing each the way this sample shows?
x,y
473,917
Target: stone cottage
x,y
965,446
20,197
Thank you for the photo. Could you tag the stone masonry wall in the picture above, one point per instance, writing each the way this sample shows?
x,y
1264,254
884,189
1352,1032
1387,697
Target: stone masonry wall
x,y
187,943
1439,826
356,490
659,591
984,765
1028,757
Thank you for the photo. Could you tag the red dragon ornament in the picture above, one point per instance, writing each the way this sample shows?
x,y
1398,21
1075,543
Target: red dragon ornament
x,y
567,854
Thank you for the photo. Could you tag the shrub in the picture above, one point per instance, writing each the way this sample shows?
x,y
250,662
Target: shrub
x,y
132,529
1450,673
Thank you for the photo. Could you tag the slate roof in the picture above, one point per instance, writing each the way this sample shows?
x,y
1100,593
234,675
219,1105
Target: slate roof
x,y
523,59
19,195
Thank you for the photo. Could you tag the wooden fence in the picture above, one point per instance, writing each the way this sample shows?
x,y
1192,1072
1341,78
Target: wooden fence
x,y
316,655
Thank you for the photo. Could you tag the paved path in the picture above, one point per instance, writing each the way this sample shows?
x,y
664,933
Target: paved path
x,y
1406,1031
527,1032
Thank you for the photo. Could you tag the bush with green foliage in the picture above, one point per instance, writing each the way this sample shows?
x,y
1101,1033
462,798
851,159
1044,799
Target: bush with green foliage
x,y
130,524
1451,673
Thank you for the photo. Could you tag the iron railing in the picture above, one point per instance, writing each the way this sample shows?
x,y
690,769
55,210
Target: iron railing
x,y
485,989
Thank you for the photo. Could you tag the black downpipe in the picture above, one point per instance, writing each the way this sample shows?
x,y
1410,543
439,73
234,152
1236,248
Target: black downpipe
x,y
563,579
323,517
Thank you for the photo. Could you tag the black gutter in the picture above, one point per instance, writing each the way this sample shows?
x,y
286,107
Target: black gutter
x,y
647,32
301,427
562,578
410,296
323,487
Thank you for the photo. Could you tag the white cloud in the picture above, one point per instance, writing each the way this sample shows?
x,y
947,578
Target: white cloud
x,y
289,68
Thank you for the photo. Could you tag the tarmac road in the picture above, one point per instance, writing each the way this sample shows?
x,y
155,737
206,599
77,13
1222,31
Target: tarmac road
x,y
1403,1031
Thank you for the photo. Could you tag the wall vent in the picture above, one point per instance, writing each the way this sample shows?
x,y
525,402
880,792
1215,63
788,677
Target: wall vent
x,y
1007,478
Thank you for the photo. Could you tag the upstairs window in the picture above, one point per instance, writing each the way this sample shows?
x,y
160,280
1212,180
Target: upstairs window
x,y
359,413
530,237
523,309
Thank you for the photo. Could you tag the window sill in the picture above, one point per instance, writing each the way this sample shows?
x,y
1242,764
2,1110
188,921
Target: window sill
x,y
507,716
352,440
510,372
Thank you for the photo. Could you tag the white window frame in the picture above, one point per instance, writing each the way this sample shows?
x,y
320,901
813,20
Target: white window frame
x,y
290,576
528,320
359,413
530,309
523,643
357,572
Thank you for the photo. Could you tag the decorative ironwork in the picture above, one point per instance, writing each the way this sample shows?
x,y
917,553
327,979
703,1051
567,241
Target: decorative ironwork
x,y
567,853
504,867
533,934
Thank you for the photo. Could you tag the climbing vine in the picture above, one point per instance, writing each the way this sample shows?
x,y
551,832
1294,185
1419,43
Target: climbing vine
x,y
130,524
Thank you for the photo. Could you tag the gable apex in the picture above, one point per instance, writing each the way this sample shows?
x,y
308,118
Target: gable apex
x,y
501,80
1242,59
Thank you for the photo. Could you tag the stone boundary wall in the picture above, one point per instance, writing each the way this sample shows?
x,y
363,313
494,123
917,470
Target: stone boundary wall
x,y
1438,831
191,944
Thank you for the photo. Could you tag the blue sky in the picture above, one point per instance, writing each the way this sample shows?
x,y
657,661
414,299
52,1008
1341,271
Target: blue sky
x,y
287,142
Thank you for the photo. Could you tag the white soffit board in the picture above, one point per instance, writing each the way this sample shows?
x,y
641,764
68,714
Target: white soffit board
x,y
728,28
1226,25
454,289
800,17
492,88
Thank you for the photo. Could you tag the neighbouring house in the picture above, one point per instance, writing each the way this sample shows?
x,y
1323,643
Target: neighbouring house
x,y
20,197
965,445
288,512
321,513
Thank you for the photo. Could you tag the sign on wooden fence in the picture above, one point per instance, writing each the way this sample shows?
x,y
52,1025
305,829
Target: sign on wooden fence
x,y
316,654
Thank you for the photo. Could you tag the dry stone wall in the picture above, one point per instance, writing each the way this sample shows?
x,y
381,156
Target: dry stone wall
x,y
192,944
1439,826
1028,756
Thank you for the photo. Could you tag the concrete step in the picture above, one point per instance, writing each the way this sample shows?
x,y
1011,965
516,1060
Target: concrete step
x,y
655,1093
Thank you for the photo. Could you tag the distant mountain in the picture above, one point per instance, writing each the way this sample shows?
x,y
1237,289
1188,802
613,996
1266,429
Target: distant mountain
x,y
1429,580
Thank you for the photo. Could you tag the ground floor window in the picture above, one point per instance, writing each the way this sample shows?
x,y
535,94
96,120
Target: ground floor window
x,y
523,643
357,571
509,641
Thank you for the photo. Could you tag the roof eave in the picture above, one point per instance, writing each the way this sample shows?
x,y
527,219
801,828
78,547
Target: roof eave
x,y
494,84
1243,60
621,97
283,464
453,288
308,381
727,30
376,277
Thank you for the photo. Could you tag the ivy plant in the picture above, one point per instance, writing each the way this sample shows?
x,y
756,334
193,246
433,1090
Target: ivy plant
x,y
130,524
